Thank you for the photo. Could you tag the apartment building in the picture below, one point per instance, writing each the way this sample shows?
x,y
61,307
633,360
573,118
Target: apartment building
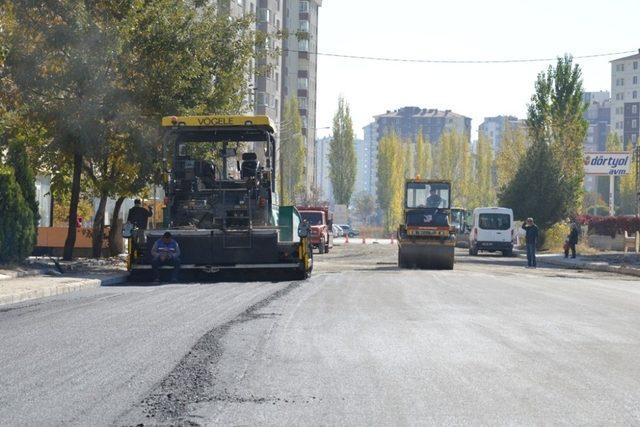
x,y
493,128
625,98
598,115
367,161
300,70
266,73
407,122
322,170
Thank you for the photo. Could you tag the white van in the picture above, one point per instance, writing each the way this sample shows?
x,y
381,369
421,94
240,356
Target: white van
x,y
492,231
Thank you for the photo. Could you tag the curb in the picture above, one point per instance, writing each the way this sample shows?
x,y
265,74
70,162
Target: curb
x,y
593,267
19,274
49,291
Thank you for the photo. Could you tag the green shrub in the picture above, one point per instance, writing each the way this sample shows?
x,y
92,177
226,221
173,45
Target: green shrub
x,y
17,230
555,236
18,159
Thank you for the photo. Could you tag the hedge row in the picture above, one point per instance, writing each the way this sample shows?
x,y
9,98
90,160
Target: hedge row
x,y
610,225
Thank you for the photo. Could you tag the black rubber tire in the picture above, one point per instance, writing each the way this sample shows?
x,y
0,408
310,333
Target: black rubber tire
x,y
401,262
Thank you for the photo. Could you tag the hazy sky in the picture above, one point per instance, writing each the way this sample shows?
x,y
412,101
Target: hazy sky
x,y
461,30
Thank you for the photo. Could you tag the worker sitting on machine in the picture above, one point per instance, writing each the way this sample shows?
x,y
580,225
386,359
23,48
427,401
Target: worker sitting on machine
x,y
434,200
165,251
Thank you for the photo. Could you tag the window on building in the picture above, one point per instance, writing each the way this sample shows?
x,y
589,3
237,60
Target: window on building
x,y
262,100
304,6
635,94
277,81
635,80
305,122
635,65
263,14
303,103
303,45
634,109
304,26
278,4
303,83
634,124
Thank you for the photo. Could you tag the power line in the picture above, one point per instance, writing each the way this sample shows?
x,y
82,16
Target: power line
x,y
454,61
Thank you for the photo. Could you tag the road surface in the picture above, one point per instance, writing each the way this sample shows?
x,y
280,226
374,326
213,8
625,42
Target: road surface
x,y
360,343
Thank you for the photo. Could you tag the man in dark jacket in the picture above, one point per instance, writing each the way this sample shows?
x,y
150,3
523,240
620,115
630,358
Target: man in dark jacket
x,y
572,239
532,240
138,215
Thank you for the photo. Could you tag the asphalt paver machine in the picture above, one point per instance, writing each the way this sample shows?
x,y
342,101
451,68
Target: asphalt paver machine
x,y
426,239
221,201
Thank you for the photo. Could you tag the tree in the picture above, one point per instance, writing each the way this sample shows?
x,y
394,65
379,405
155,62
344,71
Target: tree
x,y
292,152
390,180
454,162
365,206
513,147
538,190
342,156
92,72
556,117
409,160
424,158
17,230
18,159
484,187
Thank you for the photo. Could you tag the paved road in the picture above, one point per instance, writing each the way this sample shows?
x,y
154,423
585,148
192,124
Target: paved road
x,y
359,343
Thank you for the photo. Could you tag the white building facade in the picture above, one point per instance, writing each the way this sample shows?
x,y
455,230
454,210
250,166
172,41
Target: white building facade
x,y
625,98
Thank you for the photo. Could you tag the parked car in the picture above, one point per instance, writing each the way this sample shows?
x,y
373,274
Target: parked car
x,y
492,230
348,231
337,231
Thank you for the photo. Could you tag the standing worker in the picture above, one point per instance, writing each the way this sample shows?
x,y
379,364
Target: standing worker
x,y
532,240
572,239
139,215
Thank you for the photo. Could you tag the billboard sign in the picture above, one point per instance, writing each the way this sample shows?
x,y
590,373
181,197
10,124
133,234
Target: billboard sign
x,y
607,163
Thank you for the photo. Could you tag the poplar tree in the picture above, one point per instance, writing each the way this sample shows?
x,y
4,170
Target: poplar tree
x,y
484,186
390,180
292,150
424,158
512,149
548,182
342,155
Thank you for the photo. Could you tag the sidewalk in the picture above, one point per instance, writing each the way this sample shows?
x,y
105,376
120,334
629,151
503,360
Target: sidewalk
x,y
28,288
40,278
611,262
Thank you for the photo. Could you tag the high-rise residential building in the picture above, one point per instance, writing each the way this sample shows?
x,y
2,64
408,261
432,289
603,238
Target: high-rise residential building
x,y
625,94
322,170
494,128
367,161
265,74
407,122
598,114
300,70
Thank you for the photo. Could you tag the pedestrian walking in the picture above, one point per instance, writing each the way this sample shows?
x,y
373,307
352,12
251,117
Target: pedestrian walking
x,y
531,238
572,239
